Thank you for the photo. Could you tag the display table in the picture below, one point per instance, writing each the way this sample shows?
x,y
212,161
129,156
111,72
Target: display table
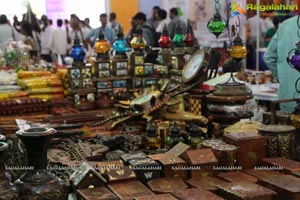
x,y
265,92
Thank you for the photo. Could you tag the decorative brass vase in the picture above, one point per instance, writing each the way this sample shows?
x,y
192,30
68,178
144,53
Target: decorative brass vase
x,y
37,183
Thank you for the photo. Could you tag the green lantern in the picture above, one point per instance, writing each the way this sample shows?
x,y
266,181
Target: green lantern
x,y
178,39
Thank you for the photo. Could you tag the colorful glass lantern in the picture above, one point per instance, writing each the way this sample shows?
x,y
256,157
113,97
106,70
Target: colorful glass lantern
x,y
138,41
120,45
189,38
164,40
217,24
238,50
77,51
293,58
178,39
102,46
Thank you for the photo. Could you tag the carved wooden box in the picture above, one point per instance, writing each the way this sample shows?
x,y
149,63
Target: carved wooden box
x,y
133,156
281,163
251,148
201,161
206,182
244,190
86,176
195,194
97,193
155,197
166,185
118,174
237,176
172,166
179,149
129,189
102,167
146,169
287,186
262,173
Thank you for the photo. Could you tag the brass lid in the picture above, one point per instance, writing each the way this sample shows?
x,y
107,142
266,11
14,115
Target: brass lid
x,y
213,142
232,89
275,128
225,147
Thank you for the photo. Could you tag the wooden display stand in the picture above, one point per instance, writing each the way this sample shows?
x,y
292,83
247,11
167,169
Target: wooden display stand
x,y
82,86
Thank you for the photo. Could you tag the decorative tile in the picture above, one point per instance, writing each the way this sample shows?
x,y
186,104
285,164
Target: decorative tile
x,y
148,69
122,65
86,72
87,83
75,73
103,74
139,60
120,83
103,66
122,72
76,84
139,70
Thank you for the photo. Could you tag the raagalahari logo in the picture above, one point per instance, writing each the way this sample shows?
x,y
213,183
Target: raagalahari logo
x,y
271,7
236,9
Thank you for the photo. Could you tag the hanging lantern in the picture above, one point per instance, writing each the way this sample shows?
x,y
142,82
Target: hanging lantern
x,y
293,58
178,39
216,25
238,50
77,51
189,38
164,40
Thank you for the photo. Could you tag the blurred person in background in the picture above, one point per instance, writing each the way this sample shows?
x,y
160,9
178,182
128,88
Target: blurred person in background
x,y
153,21
162,20
113,22
174,16
26,30
6,31
129,35
275,57
46,39
108,32
59,41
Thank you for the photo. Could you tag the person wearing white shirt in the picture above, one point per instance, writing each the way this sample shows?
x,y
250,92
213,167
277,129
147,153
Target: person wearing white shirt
x,y
59,41
46,40
162,20
6,31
